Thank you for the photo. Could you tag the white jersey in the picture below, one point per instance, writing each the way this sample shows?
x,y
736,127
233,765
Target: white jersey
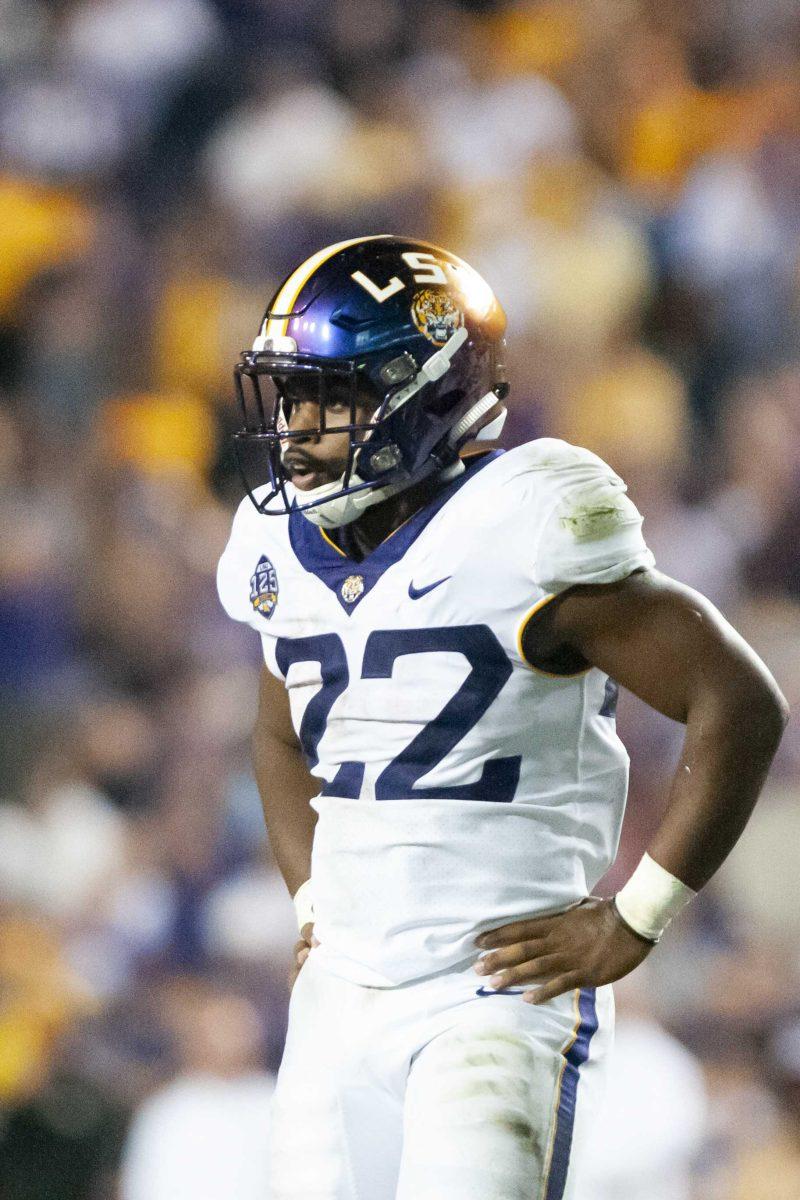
x,y
460,788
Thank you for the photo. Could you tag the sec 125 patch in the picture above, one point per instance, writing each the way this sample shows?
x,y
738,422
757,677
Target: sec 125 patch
x,y
264,587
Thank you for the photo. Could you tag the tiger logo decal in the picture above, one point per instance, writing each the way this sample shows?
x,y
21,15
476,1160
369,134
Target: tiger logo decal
x,y
436,316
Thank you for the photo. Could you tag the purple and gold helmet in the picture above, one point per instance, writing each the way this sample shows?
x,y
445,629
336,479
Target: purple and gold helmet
x,y
401,321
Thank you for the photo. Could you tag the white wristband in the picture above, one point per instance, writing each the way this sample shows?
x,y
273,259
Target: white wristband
x,y
304,904
651,898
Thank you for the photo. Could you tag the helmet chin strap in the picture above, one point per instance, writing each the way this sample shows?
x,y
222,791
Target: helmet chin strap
x,y
343,510
493,429
487,434
473,415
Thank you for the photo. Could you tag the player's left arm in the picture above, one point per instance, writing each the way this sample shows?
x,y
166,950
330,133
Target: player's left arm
x,y
672,648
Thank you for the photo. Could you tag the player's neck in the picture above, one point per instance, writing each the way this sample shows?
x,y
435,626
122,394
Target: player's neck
x,y
380,520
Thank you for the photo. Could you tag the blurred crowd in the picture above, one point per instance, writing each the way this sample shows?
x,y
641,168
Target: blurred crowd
x,y
626,174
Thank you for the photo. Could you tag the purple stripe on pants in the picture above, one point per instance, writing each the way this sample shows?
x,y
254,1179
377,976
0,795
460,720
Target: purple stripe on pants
x,y
576,1056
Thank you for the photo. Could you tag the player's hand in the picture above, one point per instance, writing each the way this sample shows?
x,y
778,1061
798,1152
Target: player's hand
x,y
585,946
302,950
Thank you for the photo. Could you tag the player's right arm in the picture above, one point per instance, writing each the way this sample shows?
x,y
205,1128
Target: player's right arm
x,y
286,787
284,782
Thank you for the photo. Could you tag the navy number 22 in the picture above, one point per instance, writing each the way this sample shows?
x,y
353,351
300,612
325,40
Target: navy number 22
x,y
490,669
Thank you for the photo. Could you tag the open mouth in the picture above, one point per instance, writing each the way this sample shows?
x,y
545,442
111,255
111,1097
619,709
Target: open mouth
x,y
304,473
306,480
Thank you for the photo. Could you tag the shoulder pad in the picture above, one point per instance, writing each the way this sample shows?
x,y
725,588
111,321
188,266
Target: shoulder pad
x,y
554,456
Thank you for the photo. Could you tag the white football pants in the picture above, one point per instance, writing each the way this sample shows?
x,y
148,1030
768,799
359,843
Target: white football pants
x,y
439,1089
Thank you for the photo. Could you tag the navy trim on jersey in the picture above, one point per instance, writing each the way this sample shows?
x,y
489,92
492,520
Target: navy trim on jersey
x,y
323,559
576,1055
610,698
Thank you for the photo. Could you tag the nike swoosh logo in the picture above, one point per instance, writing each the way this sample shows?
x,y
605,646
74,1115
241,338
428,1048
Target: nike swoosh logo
x,y
482,991
415,593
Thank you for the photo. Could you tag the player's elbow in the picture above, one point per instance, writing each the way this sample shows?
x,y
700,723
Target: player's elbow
x,y
776,711
267,746
758,707
770,718
734,689
743,684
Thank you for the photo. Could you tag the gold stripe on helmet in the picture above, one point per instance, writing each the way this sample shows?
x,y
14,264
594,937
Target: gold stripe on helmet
x,y
287,297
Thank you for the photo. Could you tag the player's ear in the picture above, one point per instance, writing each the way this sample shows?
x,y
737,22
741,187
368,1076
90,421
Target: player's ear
x,y
367,402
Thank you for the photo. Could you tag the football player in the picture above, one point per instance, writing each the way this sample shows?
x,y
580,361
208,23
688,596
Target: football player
x,y
435,745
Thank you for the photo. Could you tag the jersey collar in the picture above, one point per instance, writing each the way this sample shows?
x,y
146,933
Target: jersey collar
x,y
320,556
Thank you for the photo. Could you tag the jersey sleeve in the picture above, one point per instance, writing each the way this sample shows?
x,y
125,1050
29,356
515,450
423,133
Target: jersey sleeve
x,y
236,566
590,530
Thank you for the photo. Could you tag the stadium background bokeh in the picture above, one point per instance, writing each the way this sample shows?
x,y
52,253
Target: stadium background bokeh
x,y
627,176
